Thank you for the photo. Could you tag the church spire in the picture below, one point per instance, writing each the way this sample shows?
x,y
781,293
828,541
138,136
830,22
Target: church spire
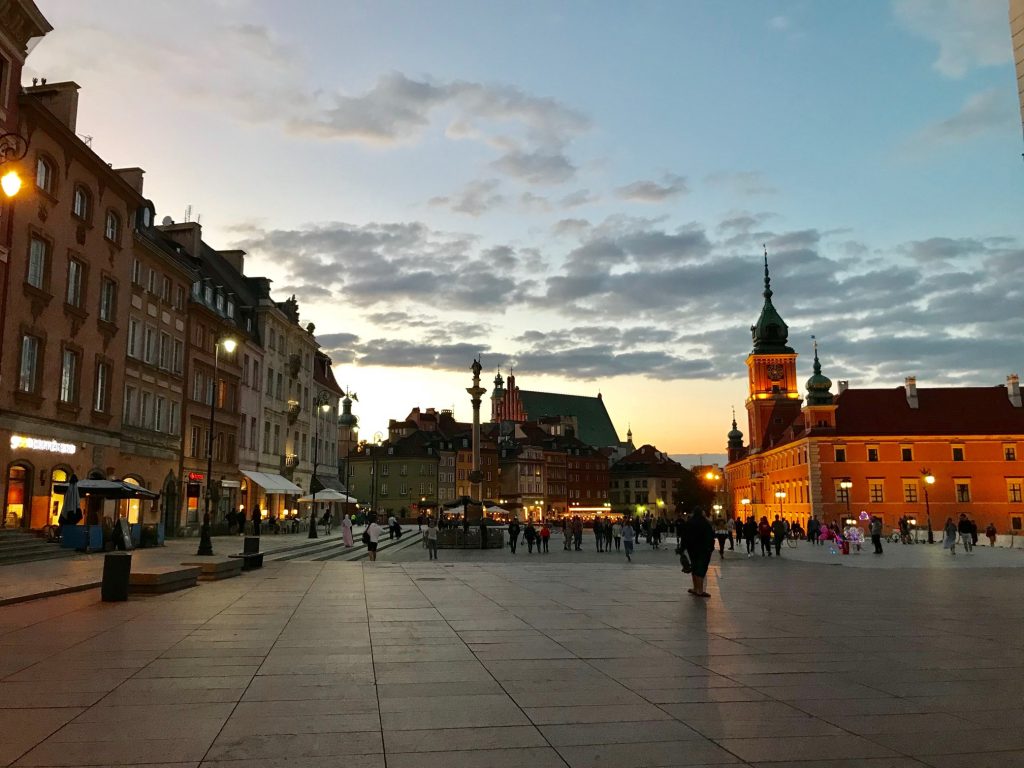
x,y
770,334
818,386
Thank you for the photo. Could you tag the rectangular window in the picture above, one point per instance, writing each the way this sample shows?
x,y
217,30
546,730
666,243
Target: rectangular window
x,y
1010,452
280,386
137,272
129,406
165,289
178,357
179,297
277,439
963,491
906,453
174,425
28,371
958,453
101,397
910,491
165,351
149,345
252,432
160,415
876,492
256,380
197,386
842,494
194,443
108,300
840,455
147,410
1013,491
38,256
266,437
151,288
873,453
134,338
209,390
245,370
74,294
270,381
69,376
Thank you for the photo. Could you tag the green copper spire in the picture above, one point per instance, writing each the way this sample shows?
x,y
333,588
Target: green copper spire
x,y
735,436
770,333
818,386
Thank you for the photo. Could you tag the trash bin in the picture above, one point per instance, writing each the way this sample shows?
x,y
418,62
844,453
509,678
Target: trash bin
x,y
117,569
251,545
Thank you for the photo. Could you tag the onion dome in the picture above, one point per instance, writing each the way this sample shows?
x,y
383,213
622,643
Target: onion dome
x,y
347,418
819,385
770,333
735,436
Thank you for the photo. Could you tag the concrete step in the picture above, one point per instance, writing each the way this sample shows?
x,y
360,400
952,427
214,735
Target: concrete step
x,y
26,547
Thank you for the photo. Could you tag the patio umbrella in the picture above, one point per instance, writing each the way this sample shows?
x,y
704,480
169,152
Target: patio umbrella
x,y
327,494
71,512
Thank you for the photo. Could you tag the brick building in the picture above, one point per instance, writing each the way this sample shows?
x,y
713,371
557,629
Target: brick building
x,y
644,482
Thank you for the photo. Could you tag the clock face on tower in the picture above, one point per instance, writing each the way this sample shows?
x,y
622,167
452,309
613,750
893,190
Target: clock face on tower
x,y
774,371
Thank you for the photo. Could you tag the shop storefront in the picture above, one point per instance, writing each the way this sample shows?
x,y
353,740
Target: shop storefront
x,y
275,494
34,465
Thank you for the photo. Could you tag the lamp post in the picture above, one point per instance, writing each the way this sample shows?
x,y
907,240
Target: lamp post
x,y
13,147
929,479
745,505
780,495
205,543
377,440
846,484
321,404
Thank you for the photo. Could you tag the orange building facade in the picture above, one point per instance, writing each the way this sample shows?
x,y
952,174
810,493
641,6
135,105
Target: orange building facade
x,y
873,451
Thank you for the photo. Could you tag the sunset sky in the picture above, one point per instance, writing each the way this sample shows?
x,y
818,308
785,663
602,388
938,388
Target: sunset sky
x,y
582,189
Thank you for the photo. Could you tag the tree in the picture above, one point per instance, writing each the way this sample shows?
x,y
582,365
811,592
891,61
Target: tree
x,y
691,491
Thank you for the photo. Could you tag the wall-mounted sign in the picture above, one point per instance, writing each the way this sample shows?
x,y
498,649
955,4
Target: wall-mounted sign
x,y
196,477
38,444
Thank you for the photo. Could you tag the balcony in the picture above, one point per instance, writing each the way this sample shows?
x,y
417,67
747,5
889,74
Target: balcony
x,y
294,409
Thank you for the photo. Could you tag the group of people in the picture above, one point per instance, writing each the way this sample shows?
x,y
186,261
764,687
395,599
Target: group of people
x,y
967,530
531,534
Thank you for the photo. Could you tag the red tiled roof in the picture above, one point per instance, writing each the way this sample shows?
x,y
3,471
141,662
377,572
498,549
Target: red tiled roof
x,y
940,411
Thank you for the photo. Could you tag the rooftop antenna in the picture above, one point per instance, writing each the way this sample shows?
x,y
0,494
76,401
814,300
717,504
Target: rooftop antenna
x,y
188,213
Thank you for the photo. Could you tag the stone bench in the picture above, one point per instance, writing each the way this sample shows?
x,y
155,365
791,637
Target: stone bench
x,y
212,569
250,560
158,579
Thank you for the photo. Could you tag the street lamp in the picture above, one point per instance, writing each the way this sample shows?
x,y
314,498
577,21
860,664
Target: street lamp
x,y
780,495
745,503
11,183
846,484
929,479
205,543
378,438
321,404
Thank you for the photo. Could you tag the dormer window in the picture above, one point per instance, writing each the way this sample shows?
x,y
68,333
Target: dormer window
x,y
220,303
208,295
82,203
231,308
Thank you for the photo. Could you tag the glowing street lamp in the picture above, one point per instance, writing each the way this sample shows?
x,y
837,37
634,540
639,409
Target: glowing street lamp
x,y
929,479
11,183
323,405
205,543
780,495
846,484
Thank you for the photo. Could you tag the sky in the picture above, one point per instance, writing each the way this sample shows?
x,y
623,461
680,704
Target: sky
x,y
583,190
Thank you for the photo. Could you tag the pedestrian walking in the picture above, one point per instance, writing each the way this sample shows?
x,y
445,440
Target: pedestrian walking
x,y
699,543
577,532
750,535
876,534
513,535
617,534
419,521
371,537
392,522
974,533
813,529
721,532
257,516
545,534
779,531
628,535
730,526
764,532
608,535
990,531
599,534
964,528
949,536
530,534
326,520
346,530
566,534
432,539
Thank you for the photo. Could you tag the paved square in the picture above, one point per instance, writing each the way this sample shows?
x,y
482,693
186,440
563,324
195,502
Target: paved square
x,y
571,659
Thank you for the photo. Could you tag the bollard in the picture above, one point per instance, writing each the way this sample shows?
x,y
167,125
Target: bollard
x,y
117,569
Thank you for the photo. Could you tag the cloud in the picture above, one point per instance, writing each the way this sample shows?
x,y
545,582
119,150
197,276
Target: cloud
x,y
969,33
536,167
981,114
578,198
646,191
476,198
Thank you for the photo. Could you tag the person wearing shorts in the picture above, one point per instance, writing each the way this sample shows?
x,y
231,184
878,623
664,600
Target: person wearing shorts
x,y
373,530
627,540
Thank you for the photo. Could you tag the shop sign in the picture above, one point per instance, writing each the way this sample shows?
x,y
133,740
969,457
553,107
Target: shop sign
x,y
39,444
196,477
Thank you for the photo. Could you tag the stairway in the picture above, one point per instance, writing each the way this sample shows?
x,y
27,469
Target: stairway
x,y
19,546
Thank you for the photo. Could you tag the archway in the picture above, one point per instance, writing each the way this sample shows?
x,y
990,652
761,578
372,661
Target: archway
x,y
18,499
133,507
169,505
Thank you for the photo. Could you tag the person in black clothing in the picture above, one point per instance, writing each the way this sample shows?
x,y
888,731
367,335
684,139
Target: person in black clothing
x,y
599,534
699,543
750,535
256,517
530,534
779,531
513,535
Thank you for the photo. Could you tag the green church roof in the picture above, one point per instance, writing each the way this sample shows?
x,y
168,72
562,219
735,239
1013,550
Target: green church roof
x,y
595,425
770,333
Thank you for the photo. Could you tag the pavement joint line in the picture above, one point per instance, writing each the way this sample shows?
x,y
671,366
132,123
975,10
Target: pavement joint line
x,y
478,661
373,668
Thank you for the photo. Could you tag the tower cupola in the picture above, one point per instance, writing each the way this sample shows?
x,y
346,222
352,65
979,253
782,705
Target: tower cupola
x,y
770,333
818,386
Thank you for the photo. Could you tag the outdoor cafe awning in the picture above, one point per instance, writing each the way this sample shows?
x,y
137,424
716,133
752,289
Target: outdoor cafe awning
x,y
329,494
272,483
109,489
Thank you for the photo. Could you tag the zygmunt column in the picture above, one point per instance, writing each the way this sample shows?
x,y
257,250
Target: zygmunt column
x,y
476,392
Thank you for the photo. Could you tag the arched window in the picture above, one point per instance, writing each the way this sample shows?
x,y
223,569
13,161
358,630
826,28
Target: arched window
x,y
133,505
44,174
18,499
82,205
112,227
57,475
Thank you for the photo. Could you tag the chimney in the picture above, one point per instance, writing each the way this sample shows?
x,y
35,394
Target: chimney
x,y
132,177
910,384
236,259
60,98
844,384
1013,389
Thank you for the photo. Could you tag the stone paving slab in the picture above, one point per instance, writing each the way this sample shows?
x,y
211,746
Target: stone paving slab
x,y
586,663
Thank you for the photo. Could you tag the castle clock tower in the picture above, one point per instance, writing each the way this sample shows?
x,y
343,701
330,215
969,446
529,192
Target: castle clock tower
x,y
773,402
